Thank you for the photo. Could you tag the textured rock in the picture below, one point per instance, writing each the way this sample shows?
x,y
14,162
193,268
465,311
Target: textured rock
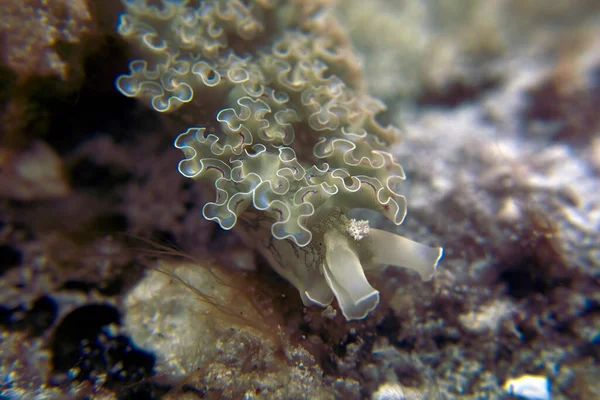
x,y
35,173
204,327
33,32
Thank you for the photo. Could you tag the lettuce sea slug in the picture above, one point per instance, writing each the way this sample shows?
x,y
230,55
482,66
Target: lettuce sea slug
x,y
284,131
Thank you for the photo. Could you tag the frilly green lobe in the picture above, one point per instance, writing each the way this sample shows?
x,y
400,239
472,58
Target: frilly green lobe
x,y
293,143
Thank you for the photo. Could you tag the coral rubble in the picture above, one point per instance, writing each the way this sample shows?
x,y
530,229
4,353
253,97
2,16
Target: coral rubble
x,y
502,151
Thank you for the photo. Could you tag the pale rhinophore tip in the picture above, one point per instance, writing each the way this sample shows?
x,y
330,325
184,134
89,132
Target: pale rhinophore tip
x,y
392,249
345,276
318,293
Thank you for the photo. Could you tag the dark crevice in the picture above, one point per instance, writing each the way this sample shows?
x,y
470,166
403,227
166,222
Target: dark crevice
x,y
567,115
35,320
97,106
85,347
457,93
87,174
10,257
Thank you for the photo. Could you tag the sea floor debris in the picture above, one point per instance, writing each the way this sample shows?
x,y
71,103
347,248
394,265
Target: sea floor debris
x,y
504,175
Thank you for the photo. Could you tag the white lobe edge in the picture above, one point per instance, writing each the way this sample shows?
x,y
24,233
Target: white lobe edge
x,y
391,249
345,276
319,293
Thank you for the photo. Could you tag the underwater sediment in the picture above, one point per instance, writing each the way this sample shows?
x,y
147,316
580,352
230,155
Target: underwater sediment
x,y
122,277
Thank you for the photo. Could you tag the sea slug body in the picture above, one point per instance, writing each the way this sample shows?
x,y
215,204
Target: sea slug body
x,y
293,143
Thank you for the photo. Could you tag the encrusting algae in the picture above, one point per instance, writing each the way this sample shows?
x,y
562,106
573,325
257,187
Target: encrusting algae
x,y
286,134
